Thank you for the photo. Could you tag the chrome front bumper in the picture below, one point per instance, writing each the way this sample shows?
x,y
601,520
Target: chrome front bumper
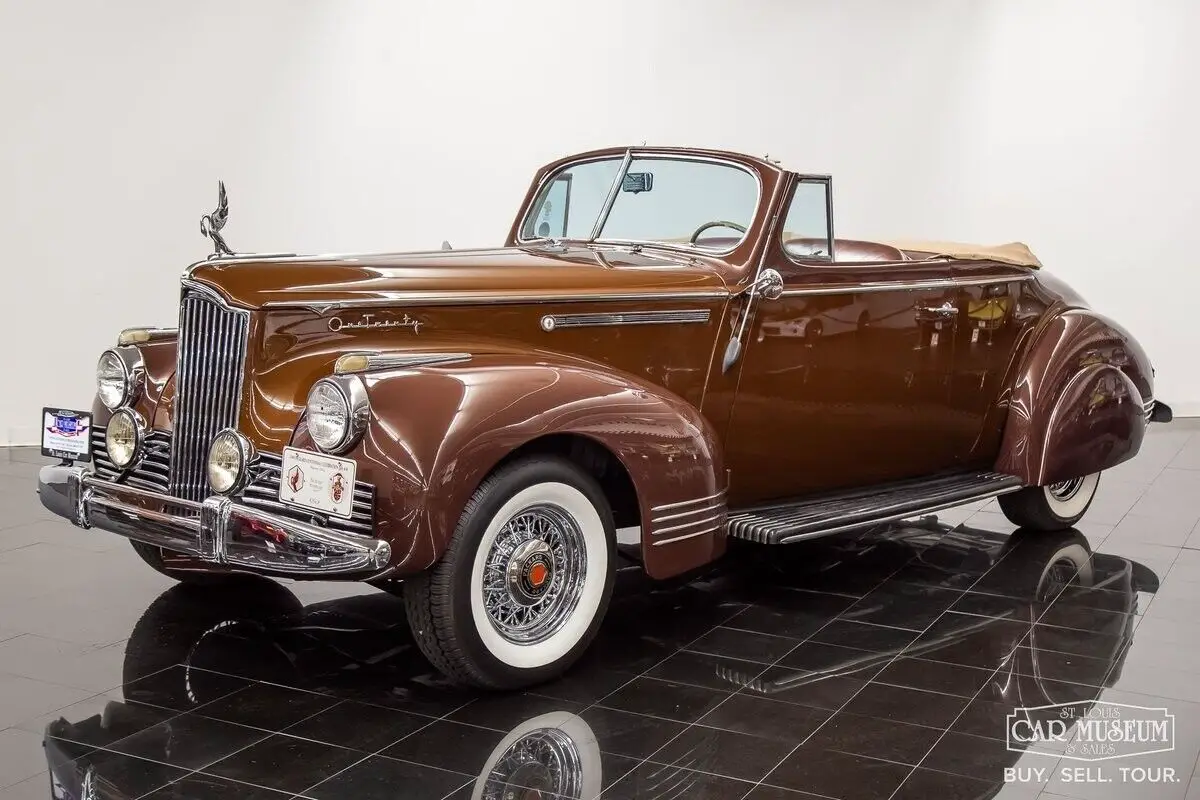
x,y
219,530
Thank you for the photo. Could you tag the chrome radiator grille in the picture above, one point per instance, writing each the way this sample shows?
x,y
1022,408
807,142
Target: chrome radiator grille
x,y
208,386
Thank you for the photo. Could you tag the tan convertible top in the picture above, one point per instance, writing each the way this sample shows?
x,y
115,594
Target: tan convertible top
x,y
1011,253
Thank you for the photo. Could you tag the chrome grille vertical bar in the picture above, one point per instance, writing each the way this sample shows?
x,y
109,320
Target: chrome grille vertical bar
x,y
209,373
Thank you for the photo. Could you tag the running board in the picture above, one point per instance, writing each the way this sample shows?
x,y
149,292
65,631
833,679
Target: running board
x,y
783,523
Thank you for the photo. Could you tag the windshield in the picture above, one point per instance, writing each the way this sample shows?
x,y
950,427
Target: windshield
x,y
682,202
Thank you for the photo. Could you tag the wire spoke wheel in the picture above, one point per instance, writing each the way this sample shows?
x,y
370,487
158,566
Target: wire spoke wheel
x,y
534,573
1065,490
525,581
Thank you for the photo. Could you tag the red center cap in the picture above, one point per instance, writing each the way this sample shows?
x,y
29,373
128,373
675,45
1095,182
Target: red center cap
x,y
537,575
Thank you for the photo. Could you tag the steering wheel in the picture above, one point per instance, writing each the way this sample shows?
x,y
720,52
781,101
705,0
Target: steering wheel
x,y
716,223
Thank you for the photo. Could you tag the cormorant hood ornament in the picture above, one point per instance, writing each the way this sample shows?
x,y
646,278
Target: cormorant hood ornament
x,y
211,224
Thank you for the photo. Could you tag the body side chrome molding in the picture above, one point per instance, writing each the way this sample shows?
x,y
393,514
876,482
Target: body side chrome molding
x,y
705,509
552,322
902,286
674,539
683,503
698,517
442,299
366,362
716,514
494,299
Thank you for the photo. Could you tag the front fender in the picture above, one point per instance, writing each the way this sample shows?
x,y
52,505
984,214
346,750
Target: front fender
x,y
1077,404
436,432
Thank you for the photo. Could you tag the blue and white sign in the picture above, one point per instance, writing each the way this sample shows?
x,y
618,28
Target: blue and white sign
x,y
66,434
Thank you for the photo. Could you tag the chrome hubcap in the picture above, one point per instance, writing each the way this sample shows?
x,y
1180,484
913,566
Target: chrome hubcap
x,y
533,575
1065,490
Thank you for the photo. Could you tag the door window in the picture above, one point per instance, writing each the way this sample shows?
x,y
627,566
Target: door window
x,y
808,227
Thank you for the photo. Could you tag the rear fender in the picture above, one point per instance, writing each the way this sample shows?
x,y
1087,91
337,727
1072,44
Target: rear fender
x,y
1078,402
437,431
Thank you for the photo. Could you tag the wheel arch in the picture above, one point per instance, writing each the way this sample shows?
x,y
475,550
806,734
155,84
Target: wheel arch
x,y
594,458
436,433
1078,401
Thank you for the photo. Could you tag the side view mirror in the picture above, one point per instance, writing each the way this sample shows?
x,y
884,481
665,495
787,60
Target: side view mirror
x,y
769,285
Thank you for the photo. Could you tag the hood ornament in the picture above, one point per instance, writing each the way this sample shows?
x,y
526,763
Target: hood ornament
x,y
211,224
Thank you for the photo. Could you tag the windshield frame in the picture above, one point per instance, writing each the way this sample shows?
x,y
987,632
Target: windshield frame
x,y
626,158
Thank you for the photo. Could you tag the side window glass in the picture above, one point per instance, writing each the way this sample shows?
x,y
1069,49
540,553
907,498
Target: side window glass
x,y
550,219
569,205
807,232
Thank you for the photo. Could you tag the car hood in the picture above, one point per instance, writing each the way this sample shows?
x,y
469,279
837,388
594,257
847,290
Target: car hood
x,y
452,275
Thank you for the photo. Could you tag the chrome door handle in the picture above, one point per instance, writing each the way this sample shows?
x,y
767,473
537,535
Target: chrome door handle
x,y
944,310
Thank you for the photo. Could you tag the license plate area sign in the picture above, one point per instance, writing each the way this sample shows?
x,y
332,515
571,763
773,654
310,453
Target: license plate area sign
x,y
67,434
317,482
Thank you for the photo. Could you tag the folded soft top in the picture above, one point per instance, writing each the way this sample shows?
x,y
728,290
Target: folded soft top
x,y
1011,253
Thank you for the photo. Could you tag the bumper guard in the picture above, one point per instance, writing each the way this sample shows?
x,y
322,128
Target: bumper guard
x,y
220,530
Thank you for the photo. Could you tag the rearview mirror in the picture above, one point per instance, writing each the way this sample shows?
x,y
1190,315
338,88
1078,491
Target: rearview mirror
x,y
637,182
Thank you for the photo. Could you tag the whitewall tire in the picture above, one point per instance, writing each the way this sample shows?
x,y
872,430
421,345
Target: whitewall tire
x,y
1052,507
525,581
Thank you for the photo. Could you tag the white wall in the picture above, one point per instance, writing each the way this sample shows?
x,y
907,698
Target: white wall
x,y
337,126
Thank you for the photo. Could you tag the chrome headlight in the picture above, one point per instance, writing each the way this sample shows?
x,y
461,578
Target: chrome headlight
x,y
123,438
229,459
119,374
337,412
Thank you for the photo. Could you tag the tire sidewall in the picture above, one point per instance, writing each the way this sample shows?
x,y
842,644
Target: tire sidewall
x,y
484,520
1071,510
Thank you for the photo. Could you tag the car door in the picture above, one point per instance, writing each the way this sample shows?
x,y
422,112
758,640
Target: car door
x,y
845,376
996,314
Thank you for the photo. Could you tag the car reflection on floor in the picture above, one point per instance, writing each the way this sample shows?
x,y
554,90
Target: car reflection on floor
x,y
1009,610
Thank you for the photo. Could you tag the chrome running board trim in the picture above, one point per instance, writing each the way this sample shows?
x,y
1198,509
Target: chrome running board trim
x,y
808,518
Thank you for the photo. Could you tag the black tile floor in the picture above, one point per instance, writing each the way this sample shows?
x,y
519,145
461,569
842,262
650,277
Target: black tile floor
x,y
878,665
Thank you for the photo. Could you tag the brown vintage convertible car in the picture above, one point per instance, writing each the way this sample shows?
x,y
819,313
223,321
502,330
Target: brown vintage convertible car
x,y
671,350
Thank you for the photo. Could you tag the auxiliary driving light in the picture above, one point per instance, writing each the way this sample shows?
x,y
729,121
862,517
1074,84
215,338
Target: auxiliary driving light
x,y
229,460
124,436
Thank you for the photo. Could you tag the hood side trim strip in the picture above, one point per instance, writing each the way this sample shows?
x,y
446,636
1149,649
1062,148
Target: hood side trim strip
x,y
352,363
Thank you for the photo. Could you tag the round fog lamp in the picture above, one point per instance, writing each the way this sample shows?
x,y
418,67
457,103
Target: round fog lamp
x,y
123,438
228,461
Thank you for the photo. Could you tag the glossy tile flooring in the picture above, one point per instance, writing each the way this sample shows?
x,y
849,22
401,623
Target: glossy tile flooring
x,y
879,665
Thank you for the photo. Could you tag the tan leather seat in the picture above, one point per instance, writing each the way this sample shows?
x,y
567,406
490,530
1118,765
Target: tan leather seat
x,y
845,250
